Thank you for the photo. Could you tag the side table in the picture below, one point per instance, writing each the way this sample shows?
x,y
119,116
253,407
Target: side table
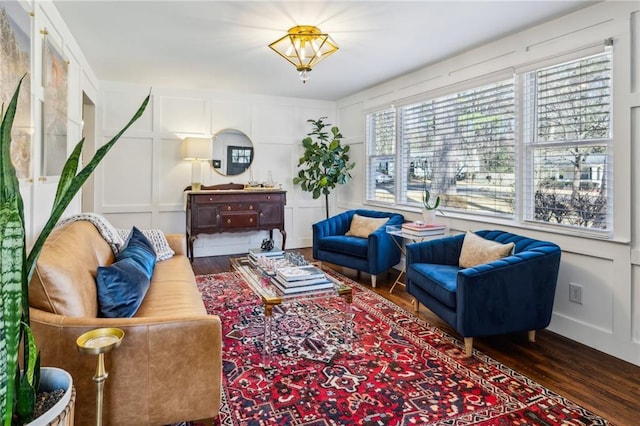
x,y
410,238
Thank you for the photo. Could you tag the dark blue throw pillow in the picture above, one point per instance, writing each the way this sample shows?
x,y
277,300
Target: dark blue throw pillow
x,y
123,285
139,248
121,288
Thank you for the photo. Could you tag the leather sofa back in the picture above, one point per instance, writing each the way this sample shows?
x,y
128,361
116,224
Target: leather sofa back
x,y
64,279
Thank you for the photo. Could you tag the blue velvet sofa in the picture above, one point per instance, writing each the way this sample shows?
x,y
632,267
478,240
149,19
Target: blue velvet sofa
x,y
373,255
512,294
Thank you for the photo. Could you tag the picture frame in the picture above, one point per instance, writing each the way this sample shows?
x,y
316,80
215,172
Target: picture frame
x,y
15,57
54,108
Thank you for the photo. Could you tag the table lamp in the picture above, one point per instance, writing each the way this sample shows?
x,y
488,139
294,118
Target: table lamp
x,y
197,150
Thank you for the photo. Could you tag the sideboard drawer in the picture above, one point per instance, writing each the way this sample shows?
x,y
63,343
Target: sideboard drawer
x,y
238,207
239,220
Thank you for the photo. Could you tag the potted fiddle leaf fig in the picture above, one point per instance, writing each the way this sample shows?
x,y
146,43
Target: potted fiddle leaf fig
x,y
325,162
19,382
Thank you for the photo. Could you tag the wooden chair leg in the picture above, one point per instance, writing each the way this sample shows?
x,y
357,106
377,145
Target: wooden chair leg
x,y
373,280
468,347
416,305
358,275
532,336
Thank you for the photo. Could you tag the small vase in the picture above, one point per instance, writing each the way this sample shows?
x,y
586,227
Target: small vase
x,y
428,216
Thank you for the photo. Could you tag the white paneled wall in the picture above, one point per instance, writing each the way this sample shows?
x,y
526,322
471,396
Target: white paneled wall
x,y
608,271
141,181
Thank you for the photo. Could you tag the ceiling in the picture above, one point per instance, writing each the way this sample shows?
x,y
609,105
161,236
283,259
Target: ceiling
x,y
222,45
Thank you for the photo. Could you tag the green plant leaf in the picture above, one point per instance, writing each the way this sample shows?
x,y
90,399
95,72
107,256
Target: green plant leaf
x,y
12,244
68,172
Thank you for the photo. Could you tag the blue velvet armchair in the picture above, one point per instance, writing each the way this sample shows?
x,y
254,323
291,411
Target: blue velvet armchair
x,y
512,294
373,255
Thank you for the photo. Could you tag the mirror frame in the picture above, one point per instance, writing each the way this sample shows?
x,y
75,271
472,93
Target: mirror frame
x,y
221,160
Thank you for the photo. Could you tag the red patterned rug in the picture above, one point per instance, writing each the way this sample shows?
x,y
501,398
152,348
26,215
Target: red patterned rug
x,y
400,370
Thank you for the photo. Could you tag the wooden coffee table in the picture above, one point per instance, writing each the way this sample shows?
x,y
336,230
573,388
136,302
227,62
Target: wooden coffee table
x,y
271,296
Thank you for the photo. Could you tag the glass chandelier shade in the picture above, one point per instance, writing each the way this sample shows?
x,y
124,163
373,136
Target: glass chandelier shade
x,y
304,46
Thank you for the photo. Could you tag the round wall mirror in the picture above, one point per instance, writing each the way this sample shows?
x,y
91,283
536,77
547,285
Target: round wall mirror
x,y
232,152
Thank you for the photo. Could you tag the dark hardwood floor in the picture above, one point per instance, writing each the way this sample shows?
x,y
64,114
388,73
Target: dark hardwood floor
x,y
605,385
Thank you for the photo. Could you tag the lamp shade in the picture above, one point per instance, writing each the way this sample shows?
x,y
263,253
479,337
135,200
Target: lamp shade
x,y
197,149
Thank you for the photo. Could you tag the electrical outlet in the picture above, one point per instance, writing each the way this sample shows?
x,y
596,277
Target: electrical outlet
x,y
575,293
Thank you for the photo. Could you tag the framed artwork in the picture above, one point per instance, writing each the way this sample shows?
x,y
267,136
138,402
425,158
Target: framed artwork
x,y
15,62
54,109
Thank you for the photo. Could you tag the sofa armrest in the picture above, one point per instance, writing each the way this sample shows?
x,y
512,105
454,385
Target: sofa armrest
x,y
157,358
178,243
440,251
507,295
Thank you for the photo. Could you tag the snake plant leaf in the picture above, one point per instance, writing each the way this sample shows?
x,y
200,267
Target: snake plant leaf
x,y
68,172
12,242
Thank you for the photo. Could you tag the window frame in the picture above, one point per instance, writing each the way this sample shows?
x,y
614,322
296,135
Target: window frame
x,y
523,168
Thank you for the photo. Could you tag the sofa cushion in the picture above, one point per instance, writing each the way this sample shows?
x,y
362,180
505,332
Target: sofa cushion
x,y
139,248
121,288
362,226
476,250
439,281
354,246
123,285
64,281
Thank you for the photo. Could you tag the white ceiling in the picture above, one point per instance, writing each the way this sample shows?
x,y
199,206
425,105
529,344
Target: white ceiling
x,y
222,45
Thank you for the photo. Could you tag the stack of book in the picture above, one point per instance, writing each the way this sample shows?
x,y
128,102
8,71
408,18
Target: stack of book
x,y
296,279
256,253
423,230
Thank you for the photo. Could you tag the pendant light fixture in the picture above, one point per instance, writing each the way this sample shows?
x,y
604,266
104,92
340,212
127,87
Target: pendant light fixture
x,y
304,46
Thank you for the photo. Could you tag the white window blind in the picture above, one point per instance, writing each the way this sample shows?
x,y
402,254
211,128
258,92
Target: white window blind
x,y
381,142
461,146
569,142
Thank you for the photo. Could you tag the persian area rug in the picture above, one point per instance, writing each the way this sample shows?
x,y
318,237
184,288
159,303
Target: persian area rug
x,y
399,371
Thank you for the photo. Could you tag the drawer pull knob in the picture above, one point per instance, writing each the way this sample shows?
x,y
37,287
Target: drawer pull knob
x,y
228,220
250,207
268,197
261,214
217,216
250,220
210,198
228,207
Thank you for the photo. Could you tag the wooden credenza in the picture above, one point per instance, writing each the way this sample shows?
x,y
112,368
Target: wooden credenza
x,y
216,211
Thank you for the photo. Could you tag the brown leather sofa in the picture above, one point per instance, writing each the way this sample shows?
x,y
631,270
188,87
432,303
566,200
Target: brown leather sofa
x,y
168,368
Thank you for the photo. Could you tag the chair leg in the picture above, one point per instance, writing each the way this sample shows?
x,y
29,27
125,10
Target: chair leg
x,y
373,280
532,336
358,274
416,305
468,347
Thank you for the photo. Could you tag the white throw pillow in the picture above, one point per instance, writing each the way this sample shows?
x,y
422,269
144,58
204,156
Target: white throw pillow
x,y
476,250
362,226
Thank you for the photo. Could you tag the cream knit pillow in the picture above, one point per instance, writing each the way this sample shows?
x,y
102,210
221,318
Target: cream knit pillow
x,y
476,250
362,226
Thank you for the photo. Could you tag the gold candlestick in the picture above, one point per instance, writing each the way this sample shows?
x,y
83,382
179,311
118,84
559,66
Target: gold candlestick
x,y
98,342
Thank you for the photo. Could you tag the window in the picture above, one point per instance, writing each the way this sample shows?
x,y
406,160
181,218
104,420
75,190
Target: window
x,y
461,147
381,128
568,136
464,147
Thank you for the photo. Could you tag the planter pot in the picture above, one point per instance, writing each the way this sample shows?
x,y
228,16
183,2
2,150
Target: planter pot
x,y
61,414
429,216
